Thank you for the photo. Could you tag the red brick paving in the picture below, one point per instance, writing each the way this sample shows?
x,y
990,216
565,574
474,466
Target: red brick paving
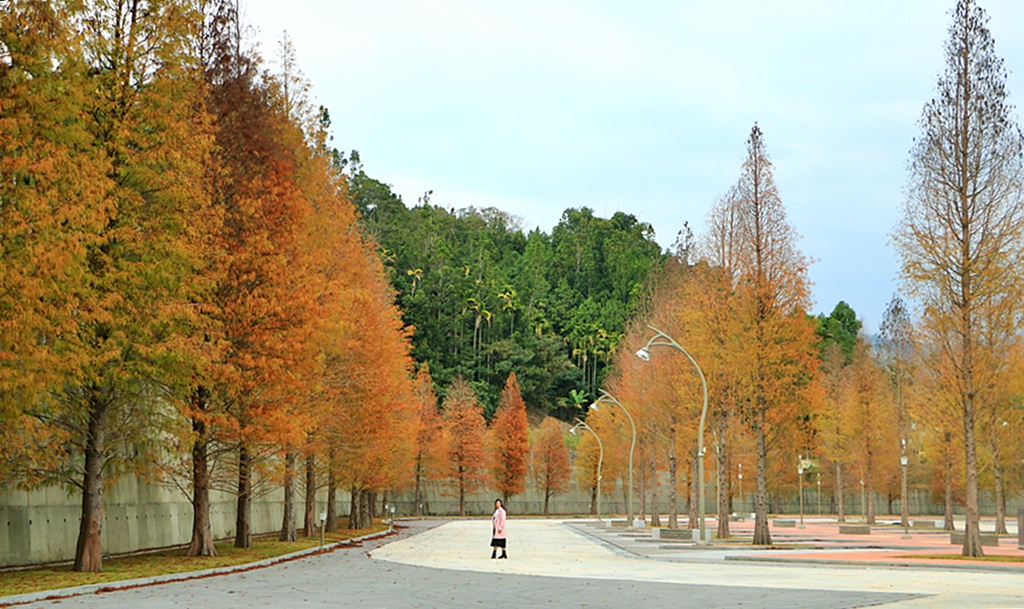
x,y
885,545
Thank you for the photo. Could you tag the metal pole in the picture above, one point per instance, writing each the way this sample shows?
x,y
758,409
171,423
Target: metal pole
x,y
740,511
632,448
670,342
904,508
801,490
600,459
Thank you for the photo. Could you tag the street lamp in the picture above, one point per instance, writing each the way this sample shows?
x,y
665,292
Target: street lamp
x,y
800,472
629,498
819,493
740,476
600,458
660,339
323,527
904,508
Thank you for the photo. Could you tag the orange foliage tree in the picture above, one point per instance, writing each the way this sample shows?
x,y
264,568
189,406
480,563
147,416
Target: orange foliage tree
x,y
143,125
769,277
465,427
510,441
431,443
549,461
55,188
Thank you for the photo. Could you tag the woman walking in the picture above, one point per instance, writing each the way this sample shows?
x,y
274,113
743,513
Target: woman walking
x,y
498,530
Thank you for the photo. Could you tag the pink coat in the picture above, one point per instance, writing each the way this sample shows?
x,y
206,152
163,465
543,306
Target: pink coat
x,y
498,522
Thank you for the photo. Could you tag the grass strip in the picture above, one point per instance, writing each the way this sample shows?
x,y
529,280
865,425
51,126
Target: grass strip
x,y
168,562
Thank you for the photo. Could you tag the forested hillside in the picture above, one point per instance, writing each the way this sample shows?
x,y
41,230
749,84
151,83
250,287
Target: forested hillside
x,y
487,298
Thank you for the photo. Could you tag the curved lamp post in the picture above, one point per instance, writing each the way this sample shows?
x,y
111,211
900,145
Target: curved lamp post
x,y
660,339
629,498
600,458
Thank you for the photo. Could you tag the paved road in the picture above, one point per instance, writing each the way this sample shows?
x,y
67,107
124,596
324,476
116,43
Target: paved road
x,y
427,565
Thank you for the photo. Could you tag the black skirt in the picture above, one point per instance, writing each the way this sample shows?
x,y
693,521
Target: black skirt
x,y
497,543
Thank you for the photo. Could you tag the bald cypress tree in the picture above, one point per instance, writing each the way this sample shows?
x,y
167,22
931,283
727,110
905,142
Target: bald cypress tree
x,y
962,231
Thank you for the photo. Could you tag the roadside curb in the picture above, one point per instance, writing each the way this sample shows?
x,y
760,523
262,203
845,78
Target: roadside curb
x,y
62,593
893,564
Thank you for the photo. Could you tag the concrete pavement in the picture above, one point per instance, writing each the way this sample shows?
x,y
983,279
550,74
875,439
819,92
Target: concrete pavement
x,y
554,549
557,564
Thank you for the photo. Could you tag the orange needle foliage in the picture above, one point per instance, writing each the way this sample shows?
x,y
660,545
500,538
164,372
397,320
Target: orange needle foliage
x,y
465,427
431,443
510,441
550,461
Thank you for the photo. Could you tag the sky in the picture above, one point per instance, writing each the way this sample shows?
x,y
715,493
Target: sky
x,y
644,107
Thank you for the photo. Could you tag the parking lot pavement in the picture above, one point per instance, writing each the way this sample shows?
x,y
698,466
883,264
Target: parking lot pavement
x,y
549,566
557,549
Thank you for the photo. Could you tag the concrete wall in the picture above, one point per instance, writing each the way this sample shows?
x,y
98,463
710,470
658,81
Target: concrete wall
x,y
42,526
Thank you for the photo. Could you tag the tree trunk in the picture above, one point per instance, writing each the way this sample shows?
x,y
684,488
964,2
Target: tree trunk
x,y
643,488
365,509
947,484
723,480
870,489
202,531
972,532
593,498
762,536
1000,497
462,494
417,496
88,553
547,497
655,517
353,509
288,522
673,489
309,520
840,498
243,512
332,502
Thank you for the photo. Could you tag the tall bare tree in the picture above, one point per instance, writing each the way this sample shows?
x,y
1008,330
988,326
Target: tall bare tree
x,y
961,234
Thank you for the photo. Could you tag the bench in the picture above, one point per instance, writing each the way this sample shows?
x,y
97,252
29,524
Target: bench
x,y
924,524
854,529
784,522
684,534
990,540
674,534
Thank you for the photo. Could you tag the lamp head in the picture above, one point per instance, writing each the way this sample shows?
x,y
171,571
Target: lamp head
x,y
644,354
593,406
573,431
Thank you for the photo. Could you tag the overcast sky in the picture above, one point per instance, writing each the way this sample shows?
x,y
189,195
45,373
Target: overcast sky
x,y
535,106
